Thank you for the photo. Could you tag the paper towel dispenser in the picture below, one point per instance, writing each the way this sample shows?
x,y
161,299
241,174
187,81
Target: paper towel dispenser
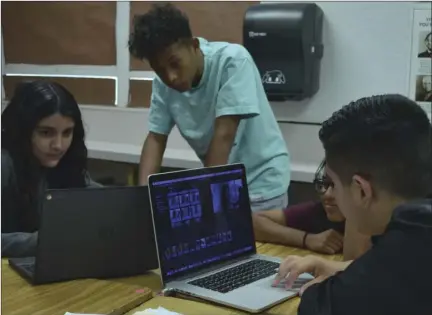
x,y
285,41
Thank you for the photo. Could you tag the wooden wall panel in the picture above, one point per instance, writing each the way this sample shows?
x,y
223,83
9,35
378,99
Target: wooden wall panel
x,y
213,20
140,93
87,91
47,33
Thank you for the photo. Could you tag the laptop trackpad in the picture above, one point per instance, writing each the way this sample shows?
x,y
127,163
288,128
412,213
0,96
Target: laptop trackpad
x,y
266,292
302,280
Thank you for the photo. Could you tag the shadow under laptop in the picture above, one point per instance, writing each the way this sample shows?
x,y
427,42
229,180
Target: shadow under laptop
x,y
150,279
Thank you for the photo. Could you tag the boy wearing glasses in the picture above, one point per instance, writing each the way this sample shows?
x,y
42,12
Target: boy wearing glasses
x,y
316,225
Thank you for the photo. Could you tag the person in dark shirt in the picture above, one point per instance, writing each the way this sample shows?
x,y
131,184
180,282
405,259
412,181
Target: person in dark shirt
x,y
42,147
379,159
315,225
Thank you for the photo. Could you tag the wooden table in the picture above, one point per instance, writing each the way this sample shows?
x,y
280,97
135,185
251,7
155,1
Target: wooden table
x,y
100,296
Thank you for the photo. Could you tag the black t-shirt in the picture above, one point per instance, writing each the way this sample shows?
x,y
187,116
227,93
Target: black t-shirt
x,y
392,278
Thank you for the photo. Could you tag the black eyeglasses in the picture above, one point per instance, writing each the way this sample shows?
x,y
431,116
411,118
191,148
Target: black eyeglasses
x,y
322,185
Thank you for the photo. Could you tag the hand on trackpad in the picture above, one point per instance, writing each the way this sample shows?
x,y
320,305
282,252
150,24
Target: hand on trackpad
x,y
298,284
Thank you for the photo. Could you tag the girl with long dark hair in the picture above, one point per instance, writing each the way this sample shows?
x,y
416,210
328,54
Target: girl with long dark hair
x,y
42,148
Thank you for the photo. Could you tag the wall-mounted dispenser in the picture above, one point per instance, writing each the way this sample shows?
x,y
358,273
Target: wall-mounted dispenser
x,y
285,41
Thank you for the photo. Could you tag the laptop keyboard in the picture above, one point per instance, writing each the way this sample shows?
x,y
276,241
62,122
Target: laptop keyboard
x,y
238,276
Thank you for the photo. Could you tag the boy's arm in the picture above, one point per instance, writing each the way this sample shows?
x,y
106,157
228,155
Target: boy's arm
x,y
160,126
222,141
382,281
237,99
151,155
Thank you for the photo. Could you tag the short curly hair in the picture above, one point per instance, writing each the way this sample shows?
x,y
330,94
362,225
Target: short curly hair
x,y
384,138
156,30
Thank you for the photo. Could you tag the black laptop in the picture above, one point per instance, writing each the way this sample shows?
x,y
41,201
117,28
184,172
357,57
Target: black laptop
x,y
92,233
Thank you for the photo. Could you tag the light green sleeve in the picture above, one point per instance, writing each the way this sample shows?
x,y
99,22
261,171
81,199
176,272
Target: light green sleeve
x,y
238,93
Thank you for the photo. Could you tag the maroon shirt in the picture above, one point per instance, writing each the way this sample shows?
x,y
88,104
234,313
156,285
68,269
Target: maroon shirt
x,y
311,218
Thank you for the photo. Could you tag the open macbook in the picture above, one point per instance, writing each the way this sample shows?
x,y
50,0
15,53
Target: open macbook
x,y
205,239
92,233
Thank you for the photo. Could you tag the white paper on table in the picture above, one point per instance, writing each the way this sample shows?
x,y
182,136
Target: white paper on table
x,y
157,311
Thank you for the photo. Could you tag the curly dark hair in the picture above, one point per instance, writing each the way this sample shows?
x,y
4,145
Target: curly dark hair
x,y
386,139
32,102
156,30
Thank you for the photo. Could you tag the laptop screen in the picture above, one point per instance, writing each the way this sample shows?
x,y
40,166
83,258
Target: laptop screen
x,y
201,217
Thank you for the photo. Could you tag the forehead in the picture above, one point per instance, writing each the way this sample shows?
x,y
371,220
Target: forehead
x,y
329,172
174,51
56,121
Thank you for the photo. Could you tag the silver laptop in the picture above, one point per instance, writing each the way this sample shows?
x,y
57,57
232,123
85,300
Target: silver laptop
x,y
205,240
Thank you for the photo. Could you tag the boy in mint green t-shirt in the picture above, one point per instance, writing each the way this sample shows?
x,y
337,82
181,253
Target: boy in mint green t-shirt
x,y
212,92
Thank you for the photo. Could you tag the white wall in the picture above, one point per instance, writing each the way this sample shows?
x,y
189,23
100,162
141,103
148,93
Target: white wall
x,y
367,51
129,126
